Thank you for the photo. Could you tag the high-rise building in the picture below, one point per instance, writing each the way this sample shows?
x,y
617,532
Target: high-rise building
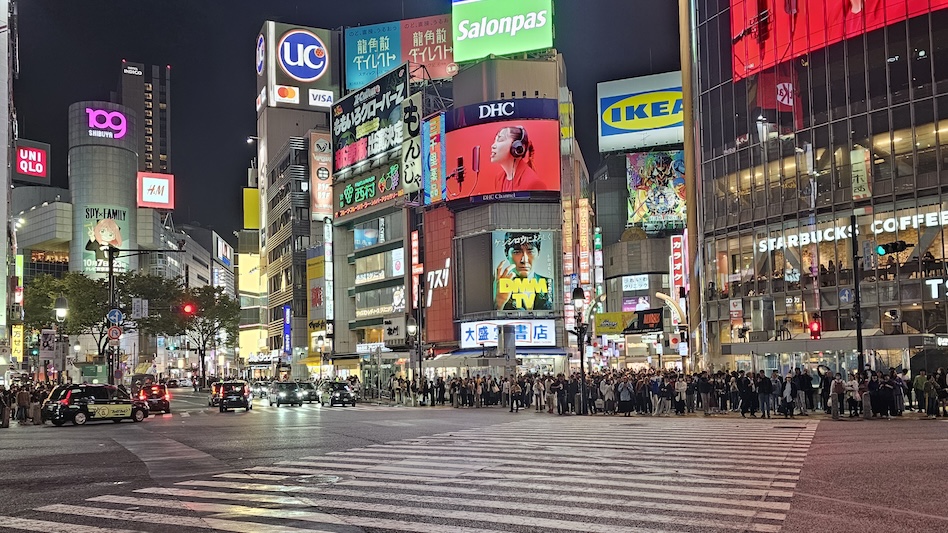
x,y
820,140
146,90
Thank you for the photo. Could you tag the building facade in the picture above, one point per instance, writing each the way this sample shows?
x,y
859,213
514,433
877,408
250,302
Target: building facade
x,y
146,89
802,127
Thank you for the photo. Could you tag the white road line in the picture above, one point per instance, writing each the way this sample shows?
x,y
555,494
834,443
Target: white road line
x,y
246,475
386,489
45,526
488,517
552,485
163,519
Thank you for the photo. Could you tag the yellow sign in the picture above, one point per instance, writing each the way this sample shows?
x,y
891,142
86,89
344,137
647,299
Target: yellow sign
x,y
612,323
646,111
251,208
16,342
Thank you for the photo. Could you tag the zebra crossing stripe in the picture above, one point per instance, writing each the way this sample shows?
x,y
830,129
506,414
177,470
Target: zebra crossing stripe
x,y
45,526
492,517
163,519
385,491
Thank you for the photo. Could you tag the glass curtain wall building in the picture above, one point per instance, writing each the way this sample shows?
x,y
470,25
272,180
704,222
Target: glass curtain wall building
x,y
811,112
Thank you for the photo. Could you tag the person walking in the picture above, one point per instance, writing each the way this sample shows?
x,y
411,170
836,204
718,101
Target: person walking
x,y
745,387
788,395
516,394
538,393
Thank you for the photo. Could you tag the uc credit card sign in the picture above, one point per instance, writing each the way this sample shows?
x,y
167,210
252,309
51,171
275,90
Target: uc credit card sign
x,y
641,112
500,27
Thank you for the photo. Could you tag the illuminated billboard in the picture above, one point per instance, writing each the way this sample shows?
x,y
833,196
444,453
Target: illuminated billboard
x,y
320,175
377,49
767,32
433,158
367,191
506,152
156,190
368,122
523,270
439,275
656,183
104,226
32,162
641,112
499,27
295,66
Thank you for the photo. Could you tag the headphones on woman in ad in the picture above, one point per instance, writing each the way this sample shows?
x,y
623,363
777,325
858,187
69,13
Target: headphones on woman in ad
x,y
518,148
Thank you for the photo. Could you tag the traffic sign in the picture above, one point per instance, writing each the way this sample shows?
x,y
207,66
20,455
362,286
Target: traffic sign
x,y
115,316
115,332
846,296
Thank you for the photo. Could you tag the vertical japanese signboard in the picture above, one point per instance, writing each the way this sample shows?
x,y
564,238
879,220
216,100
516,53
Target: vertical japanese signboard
x,y
583,221
433,158
411,144
677,263
320,175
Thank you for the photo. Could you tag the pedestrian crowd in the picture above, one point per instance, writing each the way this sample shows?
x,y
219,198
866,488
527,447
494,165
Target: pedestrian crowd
x,y
872,394
22,398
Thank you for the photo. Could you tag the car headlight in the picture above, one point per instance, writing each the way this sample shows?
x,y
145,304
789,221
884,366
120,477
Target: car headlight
x,y
282,395
337,395
299,393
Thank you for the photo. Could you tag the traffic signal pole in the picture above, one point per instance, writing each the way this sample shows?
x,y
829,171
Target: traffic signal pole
x,y
111,353
857,311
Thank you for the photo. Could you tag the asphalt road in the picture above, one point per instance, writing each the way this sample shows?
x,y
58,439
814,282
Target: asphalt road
x,y
380,468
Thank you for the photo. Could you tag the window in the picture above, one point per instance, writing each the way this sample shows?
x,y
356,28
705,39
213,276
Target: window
x,y
148,105
148,113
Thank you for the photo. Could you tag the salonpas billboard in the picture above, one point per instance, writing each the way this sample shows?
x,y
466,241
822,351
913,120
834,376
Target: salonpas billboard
x,y
500,27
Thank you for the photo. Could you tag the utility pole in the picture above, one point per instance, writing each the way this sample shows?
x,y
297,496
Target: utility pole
x,y
111,354
857,311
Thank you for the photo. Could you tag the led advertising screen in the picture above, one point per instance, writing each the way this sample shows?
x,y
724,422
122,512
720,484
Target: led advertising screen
x,y
375,50
500,27
368,122
767,32
32,162
504,160
156,190
656,182
104,225
523,270
296,67
438,297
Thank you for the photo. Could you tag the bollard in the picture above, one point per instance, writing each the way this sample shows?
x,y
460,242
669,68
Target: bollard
x,y
866,406
37,414
5,417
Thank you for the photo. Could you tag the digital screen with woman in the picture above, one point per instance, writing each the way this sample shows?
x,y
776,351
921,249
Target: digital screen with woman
x,y
504,157
105,227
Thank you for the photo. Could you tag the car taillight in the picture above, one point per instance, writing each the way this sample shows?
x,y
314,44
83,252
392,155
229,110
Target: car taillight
x,y
246,390
167,397
141,396
65,401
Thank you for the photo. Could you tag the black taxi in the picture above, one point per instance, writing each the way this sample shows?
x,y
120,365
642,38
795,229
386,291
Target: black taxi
x,y
81,403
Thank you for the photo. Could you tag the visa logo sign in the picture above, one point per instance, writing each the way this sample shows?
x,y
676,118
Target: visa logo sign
x,y
641,111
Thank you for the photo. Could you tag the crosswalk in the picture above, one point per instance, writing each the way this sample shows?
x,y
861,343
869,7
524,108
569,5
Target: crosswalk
x,y
594,475
262,408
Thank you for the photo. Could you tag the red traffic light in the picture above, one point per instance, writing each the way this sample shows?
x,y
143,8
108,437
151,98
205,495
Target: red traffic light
x,y
815,329
189,309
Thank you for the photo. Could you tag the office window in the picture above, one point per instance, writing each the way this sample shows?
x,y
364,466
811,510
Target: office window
x,y
148,105
148,113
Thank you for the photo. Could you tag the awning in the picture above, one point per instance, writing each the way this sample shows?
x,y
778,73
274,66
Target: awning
x,y
478,357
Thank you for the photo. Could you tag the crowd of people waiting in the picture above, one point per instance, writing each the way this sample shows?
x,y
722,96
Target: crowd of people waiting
x,y
872,394
21,397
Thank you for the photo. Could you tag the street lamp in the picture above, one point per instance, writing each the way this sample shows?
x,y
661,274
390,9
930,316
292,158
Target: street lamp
x,y
61,307
579,297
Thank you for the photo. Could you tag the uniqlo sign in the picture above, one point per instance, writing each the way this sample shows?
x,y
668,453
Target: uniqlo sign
x,y
156,190
677,262
32,162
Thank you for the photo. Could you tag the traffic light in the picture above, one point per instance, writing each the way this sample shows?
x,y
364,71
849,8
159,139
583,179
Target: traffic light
x,y
891,248
189,309
816,330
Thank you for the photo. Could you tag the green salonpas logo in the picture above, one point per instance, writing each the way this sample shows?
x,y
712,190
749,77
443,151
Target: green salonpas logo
x,y
500,27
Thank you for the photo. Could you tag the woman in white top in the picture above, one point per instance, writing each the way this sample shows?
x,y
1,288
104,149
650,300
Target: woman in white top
x,y
608,392
538,393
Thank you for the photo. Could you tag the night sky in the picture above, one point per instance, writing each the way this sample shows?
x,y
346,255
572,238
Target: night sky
x,y
71,51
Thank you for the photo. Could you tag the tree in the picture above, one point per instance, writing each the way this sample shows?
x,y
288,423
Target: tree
x,y
217,318
163,296
38,298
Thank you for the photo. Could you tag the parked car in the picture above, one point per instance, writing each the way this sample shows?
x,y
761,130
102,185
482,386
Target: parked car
x,y
83,403
282,392
336,392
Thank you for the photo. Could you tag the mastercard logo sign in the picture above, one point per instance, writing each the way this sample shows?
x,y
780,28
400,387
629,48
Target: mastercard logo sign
x,y
286,94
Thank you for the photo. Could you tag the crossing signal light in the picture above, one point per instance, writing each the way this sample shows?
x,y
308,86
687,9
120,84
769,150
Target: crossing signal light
x,y
188,309
891,248
816,330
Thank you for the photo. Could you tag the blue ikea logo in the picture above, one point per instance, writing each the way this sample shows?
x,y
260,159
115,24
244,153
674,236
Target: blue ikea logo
x,y
650,110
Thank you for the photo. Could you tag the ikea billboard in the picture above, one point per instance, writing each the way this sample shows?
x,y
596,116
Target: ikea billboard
x,y
641,112
500,27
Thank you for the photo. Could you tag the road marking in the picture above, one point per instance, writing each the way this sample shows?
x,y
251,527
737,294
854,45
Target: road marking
x,y
165,457
45,526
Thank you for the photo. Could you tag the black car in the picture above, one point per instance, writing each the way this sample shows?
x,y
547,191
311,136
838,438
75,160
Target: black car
x,y
282,392
157,397
81,403
309,391
336,392
234,394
